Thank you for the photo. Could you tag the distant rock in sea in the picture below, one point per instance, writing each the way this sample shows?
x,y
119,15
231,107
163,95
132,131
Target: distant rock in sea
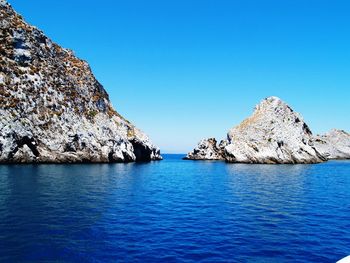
x,y
275,134
207,149
334,144
52,108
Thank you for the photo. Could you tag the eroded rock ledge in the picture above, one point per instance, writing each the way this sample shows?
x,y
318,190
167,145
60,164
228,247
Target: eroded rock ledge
x,y
52,108
275,134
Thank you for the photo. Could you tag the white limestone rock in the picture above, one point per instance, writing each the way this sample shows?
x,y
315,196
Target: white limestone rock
x,y
207,149
274,134
334,144
53,109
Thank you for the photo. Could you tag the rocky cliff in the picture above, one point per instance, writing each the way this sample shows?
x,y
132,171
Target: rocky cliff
x,y
52,107
334,144
275,134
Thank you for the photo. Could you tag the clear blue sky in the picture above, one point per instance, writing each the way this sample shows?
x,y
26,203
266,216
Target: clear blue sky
x,y
183,70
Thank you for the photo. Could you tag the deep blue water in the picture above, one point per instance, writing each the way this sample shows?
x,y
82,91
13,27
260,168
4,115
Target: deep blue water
x,y
175,211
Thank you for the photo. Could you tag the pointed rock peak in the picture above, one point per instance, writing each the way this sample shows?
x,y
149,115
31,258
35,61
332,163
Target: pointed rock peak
x,y
273,104
272,113
273,99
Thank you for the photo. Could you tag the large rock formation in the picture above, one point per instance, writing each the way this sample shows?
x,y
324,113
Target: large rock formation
x,y
334,144
52,107
207,149
273,134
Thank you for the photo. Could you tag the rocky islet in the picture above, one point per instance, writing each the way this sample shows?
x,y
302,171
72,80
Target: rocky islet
x,y
276,134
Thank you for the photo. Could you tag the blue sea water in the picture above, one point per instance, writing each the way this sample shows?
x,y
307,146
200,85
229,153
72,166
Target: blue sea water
x,y
175,211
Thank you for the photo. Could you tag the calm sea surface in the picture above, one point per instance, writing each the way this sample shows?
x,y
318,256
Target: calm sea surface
x,y
175,211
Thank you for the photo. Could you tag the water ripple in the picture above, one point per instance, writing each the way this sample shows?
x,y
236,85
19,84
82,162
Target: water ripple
x,y
175,211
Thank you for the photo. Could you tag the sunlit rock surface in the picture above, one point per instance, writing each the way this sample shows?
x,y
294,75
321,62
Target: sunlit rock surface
x,y
273,134
52,107
334,144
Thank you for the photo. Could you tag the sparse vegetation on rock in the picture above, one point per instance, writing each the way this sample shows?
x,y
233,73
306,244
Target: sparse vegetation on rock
x,y
50,101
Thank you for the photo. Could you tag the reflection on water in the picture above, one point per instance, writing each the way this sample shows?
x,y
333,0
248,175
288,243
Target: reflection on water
x,y
175,210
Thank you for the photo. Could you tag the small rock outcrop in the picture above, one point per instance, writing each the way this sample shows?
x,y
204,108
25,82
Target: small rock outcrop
x,y
207,149
334,144
52,108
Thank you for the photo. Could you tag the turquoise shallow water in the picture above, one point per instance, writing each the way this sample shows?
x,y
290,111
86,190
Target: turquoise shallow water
x,y
175,211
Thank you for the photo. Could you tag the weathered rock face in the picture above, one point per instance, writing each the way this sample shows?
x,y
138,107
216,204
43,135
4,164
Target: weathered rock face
x,y
334,145
273,134
52,107
207,149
